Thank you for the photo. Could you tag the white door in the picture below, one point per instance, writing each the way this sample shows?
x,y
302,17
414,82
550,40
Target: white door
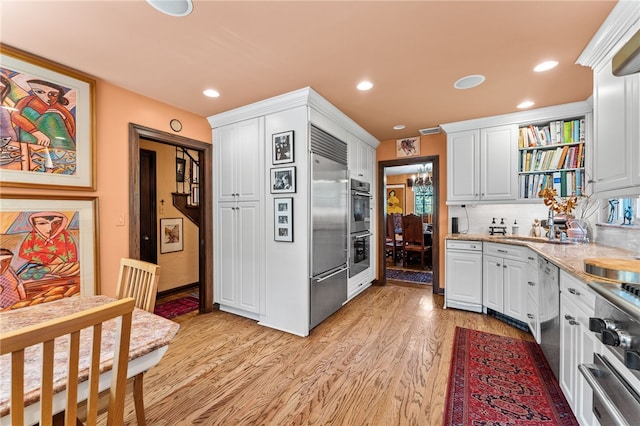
x,y
463,159
492,283
498,165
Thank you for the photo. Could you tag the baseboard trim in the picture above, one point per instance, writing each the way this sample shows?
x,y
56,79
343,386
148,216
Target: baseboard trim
x,y
195,286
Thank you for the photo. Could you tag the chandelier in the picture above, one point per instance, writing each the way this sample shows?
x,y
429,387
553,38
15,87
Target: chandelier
x,y
422,181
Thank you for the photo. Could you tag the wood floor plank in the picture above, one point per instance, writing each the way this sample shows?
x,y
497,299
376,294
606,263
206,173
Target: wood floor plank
x,y
383,359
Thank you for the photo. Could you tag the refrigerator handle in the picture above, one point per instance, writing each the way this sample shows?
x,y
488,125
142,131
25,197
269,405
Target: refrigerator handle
x,y
344,268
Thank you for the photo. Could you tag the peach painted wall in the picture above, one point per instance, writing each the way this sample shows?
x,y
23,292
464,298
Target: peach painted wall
x,y
429,145
115,109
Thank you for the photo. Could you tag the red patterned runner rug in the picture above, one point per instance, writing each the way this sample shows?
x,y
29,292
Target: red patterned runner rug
x,y
177,307
498,381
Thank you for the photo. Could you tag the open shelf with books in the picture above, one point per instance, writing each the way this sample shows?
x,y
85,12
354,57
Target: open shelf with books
x,y
552,155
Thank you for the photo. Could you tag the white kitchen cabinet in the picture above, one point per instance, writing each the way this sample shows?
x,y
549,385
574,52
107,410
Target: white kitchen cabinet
x,y
617,130
577,304
504,279
482,164
239,212
239,160
532,310
463,275
239,271
362,159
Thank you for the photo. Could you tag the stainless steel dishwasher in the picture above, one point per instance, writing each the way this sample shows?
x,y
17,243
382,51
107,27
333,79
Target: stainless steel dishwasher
x,y
549,277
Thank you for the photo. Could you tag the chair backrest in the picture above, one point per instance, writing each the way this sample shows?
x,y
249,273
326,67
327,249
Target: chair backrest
x,y
138,279
397,221
412,230
44,333
391,232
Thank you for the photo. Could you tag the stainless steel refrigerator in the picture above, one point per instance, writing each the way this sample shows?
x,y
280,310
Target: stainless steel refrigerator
x,y
329,215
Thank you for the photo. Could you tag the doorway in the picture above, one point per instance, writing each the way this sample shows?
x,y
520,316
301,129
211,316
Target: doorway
x,y
205,230
148,203
383,168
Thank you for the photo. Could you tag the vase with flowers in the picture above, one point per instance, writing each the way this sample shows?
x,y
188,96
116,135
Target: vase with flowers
x,y
563,208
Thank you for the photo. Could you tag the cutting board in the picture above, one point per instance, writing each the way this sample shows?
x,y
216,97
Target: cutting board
x,y
617,269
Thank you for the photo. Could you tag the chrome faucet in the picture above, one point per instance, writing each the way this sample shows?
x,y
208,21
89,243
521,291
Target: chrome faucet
x,y
552,230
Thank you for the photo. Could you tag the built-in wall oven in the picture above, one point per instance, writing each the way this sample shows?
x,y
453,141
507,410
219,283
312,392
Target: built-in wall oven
x,y
360,209
614,375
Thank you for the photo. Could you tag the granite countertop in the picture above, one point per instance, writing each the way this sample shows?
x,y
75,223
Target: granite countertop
x,y
569,257
149,332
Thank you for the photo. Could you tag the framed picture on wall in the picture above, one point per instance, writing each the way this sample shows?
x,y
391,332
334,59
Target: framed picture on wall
x,y
395,202
171,235
408,147
180,165
282,145
49,248
50,142
283,180
283,219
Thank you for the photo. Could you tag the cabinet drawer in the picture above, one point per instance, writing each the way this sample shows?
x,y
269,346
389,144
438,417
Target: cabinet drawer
x,y
577,292
506,251
464,245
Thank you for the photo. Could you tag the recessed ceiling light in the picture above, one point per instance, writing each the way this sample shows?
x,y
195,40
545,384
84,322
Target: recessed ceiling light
x,y
469,81
211,93
545,66
364,85
172,7
526,104
399,127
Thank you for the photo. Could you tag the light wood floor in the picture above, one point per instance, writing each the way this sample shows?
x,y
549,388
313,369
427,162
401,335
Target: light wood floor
x,y
383,359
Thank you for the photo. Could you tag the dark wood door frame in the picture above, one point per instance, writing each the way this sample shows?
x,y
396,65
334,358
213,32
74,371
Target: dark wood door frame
x,y
435,250
205,252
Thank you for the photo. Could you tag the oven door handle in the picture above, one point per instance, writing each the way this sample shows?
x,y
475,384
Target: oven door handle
x,y
587,371
358,237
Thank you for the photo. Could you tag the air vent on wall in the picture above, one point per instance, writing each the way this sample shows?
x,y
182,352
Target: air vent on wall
x,y
429,131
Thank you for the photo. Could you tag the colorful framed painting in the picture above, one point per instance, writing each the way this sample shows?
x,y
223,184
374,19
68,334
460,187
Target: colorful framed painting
x,y
47,124
408,147
48,249
395,199
171,235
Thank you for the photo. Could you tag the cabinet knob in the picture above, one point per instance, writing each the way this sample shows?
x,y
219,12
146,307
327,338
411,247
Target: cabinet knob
x,y
530,316
569,318
531,283
498,265
574,323
574,291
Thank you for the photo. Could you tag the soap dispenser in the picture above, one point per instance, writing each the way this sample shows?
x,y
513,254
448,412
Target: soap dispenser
x,y
515,229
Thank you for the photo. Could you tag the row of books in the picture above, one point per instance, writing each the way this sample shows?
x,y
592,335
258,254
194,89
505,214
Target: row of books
x,y
566,183
555,132
563,157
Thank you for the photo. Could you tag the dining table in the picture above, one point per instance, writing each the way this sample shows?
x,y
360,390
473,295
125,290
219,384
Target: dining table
x,y
150,338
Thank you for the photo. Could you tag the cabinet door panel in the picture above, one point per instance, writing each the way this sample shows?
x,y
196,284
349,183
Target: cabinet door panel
x,y
463,274
463,159
612,160
226,252
515,279
492,283
248,236
498,168
225,168
249,154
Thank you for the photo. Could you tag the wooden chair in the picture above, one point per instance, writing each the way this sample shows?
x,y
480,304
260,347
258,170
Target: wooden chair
x,y
139,279
413,238
393,243
44,334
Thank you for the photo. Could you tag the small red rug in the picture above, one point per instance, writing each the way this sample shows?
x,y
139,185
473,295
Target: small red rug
x,y
177,307
501,381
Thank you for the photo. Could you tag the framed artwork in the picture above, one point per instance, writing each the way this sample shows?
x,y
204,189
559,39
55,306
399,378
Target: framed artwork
x,y
408,147
282,145
49,249
283,180
180,165
47,124
283,219
171,235
395,199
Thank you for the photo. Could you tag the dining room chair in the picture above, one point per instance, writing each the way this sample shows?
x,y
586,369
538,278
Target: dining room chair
x,y
393,241
413,239
44,334
139,279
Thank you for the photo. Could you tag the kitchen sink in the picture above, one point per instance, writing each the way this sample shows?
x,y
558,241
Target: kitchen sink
x,y
516,238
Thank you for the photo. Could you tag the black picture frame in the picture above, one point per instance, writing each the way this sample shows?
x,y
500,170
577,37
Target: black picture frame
x,y
283,180
283,219
180,166
282,147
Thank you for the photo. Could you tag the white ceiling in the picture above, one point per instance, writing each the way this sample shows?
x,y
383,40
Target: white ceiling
x,y
413,52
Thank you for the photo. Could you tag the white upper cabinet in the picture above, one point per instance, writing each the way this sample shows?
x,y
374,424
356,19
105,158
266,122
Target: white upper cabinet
x,y
362,159
616,105
240,150
482,164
